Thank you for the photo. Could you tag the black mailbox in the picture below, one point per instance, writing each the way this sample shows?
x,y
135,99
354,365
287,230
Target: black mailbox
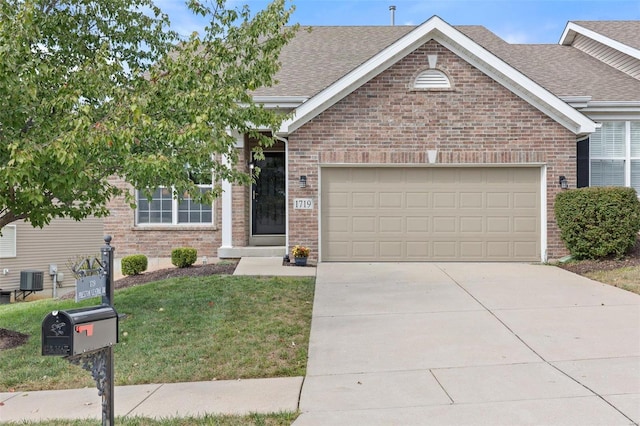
x,y
77,331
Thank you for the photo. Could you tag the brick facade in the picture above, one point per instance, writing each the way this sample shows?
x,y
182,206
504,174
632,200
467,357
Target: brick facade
x,y
385,121
157,241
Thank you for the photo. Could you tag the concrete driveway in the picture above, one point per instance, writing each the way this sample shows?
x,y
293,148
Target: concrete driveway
x,y
469,344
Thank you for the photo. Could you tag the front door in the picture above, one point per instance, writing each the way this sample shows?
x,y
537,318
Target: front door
x,y
268,201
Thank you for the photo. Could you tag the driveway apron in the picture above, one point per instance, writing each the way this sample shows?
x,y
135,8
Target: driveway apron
x,y
467,344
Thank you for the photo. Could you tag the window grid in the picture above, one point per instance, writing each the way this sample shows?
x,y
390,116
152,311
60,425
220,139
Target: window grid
x,y
163,209
615,155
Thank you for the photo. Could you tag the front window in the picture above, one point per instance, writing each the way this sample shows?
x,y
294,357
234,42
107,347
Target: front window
x,y
615,155
163,209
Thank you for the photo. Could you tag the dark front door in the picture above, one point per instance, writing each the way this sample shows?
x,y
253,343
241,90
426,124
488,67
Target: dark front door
x,y
268,199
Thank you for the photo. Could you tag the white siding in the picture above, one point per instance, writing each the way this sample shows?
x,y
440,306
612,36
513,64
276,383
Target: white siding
x,y
608,55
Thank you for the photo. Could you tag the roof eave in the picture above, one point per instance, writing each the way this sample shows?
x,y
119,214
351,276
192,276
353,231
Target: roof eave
x,y
572,29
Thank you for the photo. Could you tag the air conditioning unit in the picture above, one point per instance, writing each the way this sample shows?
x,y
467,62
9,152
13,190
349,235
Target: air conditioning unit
x,y
31,280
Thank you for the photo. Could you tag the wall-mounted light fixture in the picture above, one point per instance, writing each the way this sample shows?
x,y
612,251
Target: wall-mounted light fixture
x,y
303,181
564,183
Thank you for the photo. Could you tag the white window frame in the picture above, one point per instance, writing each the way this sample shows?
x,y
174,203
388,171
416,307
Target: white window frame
x,y
626,159
8,242
175,212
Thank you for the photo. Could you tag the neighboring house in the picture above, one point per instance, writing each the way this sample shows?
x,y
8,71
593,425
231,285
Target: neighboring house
x,y
25,248
428,143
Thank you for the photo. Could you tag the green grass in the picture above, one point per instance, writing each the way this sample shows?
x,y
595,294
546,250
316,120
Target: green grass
x,y
178,330
624,278
279,419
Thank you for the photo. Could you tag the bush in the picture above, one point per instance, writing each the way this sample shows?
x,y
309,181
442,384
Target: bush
x,y
134,264
598,222
184,256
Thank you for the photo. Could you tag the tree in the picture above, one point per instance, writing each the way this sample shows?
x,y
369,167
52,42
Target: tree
x,y
99,88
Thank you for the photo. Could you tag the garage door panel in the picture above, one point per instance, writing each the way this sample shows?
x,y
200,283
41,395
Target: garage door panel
x,y
363,200
444,200
524,224
390,200
363,224
444,224
362,175
471,200
498,200
472,249
524,249
417,200
417,224
498,224
412,214
339,224
524,200
391,224
444,250
337,200
497,250
498,176
364,249
417,250
391,249
471,224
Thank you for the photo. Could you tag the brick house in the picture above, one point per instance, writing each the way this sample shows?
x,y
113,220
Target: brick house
x,y
427,143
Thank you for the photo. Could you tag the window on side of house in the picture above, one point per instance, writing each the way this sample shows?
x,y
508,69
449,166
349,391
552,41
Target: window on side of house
x,y
163,209
614,152
8,242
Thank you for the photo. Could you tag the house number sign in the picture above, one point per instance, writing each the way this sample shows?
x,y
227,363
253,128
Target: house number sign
x,y
303,203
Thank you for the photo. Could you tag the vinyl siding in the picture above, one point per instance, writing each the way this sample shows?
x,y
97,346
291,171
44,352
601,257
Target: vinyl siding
x,y
608,55
57,243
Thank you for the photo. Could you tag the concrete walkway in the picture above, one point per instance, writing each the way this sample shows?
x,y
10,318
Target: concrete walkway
x,y
157,401
470,344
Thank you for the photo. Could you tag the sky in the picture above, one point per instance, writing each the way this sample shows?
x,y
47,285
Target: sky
x,y
516,21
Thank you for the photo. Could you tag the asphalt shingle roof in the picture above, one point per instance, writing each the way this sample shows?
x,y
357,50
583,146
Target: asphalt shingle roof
x,y
319,56
316,58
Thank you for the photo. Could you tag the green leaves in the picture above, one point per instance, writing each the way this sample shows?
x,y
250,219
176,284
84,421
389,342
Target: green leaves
x,y
94,93
598,222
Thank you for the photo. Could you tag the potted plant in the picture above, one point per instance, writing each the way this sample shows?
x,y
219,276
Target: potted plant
x,y
300,255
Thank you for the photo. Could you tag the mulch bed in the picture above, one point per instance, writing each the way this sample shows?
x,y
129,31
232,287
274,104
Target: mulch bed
x,y
585,266
11,339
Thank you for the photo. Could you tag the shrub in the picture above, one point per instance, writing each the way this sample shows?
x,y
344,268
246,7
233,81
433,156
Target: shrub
x,y
184,256
134,264
598,222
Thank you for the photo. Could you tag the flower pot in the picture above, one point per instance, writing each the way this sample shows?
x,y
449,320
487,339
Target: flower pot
x,y
301,261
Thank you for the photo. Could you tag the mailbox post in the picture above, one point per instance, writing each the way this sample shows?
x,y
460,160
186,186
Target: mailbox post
x,y
86,336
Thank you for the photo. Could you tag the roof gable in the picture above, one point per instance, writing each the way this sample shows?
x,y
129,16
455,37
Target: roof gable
x,y
623,36
470,51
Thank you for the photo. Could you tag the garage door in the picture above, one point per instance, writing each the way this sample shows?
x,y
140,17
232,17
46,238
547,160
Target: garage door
x,y
430,213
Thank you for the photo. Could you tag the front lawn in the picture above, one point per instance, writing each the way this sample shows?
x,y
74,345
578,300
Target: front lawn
x,y
625,278
178,330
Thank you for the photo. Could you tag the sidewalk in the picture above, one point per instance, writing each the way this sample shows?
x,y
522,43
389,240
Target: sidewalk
x,y
238,397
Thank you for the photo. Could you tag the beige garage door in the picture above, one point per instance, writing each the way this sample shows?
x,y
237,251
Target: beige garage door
x,y
430,213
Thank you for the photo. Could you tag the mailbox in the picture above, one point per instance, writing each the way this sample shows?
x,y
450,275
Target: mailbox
x,y
78,331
